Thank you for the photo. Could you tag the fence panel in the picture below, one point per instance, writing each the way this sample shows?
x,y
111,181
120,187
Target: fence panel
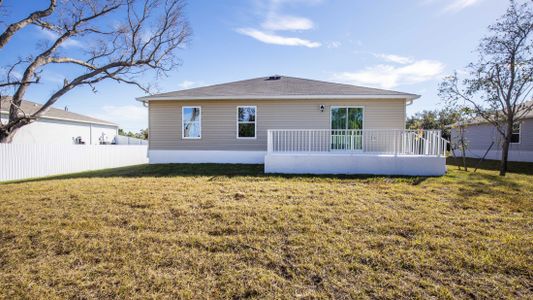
x,y
20,161
126,140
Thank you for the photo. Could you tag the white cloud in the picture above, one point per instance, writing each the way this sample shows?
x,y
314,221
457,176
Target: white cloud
x,y
277,22
458,5
389,76
271,38
52,36
394,58
187,84
129,117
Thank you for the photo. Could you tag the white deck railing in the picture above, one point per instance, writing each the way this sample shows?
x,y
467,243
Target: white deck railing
x,y
379,141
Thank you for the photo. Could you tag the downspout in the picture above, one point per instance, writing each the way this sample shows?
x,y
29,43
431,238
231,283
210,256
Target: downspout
x,y
90,133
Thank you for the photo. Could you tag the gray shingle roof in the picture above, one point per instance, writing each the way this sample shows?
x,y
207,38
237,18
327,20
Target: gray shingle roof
x,y
265,87
527,107
54,113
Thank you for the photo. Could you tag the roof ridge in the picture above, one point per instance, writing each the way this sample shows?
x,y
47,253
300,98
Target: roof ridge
x,y
213,85
346,84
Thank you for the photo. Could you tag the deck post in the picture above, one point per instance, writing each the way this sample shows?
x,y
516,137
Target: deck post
x,y
309,139
395,142
269,141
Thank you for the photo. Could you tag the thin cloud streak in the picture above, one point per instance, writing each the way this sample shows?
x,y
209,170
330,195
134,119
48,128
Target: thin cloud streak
x,y
277,22
187,84
271,38
394,58
459,5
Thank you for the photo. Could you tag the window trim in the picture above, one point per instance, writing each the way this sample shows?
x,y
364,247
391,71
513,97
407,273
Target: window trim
x,y
242,122
183,123
519,134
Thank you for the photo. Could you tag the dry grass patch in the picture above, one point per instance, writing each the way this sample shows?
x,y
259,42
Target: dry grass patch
x,y
212,231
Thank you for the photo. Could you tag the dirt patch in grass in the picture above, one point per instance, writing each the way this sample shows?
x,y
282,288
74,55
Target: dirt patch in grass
x,y
211,231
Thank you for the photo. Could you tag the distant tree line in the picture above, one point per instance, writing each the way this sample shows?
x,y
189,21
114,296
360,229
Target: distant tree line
x,y
435,119
142,134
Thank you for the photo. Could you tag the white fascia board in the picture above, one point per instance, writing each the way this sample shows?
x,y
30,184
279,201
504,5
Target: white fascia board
x,y
287,97
70,120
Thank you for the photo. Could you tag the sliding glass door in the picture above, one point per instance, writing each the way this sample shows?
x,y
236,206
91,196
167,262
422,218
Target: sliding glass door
x,y
346,128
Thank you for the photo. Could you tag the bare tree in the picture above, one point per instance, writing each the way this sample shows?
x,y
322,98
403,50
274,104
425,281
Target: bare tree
x,y
499,85
122,40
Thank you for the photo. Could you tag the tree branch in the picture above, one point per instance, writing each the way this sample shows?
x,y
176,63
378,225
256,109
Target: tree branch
x,y
13,28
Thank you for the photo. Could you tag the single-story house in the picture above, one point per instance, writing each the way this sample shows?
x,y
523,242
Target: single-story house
x,y
60,126
479,135
292,125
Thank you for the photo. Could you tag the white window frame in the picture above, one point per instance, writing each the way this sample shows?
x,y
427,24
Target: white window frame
x,y
362,130
183,123
244,122
519,134
346,106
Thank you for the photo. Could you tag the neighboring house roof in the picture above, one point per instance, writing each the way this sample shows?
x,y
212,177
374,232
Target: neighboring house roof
x,y
278,87
480,120
29,107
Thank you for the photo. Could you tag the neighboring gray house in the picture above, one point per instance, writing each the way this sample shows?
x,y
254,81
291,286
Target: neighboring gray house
x,y
59,126
479,135
292,125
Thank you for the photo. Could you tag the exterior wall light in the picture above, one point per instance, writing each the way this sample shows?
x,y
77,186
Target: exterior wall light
x,y
322,107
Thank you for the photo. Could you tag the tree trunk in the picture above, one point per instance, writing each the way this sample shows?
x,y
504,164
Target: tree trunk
x,y
505,148
7,133
505,155
6,137
463,147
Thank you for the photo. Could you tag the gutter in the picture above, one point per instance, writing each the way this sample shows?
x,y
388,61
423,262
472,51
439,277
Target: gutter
x,y
410,97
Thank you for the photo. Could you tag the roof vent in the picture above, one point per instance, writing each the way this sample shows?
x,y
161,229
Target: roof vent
x,y
274,77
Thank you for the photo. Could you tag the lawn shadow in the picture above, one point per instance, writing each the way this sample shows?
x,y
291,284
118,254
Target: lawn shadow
x,y
525,168
210,170
486,183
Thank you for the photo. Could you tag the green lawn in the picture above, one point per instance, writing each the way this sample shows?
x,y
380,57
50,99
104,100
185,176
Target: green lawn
x,y
230,231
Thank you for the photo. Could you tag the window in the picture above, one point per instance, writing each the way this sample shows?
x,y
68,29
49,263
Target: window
x,y
515,137
191,117
246,118
346,128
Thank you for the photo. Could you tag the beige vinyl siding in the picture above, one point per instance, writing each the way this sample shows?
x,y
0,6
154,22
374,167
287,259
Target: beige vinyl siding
x,y
219,127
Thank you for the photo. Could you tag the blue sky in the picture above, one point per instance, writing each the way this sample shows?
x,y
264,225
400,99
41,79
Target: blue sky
x,y
406,45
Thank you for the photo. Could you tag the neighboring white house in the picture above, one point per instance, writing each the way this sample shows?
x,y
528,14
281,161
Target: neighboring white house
x,y
60,126
293,125
479,135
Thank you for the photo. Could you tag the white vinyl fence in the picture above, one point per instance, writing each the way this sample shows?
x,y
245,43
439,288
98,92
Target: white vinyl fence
x,y
126,140
20,161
